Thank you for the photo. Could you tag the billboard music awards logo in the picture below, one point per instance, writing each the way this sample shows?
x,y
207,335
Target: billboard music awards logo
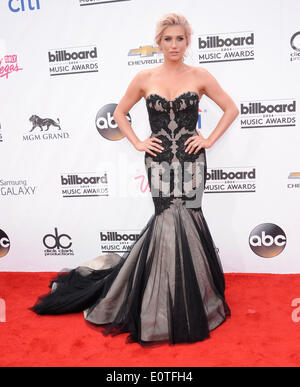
x,y
9,65
226,47
106,125
16,188
267,240
230,179
57,244
84,185
117,241
73,60
45,129
295,44
268,114
145,55
296,183
4,244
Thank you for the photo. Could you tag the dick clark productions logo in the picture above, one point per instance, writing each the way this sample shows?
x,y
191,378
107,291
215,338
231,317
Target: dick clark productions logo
x,y
54,241
58,244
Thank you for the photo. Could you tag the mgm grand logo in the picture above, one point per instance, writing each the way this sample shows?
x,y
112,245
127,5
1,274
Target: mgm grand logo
x,y
45,129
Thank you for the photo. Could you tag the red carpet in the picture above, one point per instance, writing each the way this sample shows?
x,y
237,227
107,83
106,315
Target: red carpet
x,y
260,332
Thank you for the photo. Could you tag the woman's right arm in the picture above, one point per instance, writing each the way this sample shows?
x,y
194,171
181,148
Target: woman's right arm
x,y
132,95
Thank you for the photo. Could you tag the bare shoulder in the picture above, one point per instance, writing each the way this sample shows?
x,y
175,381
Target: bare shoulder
x,y
205,75
204,78
144,78
200,71
144,75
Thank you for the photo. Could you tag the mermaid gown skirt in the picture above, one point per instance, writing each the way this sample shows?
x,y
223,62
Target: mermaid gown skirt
x,y
170,284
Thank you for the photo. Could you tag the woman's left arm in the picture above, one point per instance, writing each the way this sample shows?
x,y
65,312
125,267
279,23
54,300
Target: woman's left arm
x,y
214,91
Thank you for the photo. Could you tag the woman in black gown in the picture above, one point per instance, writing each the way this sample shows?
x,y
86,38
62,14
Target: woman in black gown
x,y
170,286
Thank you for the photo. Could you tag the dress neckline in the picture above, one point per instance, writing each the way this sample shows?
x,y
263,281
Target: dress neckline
x,y
172,100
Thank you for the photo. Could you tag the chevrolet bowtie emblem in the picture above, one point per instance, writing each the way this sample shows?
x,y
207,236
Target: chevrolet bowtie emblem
x,y
144,51
294,175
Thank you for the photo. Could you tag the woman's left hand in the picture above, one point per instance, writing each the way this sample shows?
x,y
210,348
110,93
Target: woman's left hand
x,y
195,143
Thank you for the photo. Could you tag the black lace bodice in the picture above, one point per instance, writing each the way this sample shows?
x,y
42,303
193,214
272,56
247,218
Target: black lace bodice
x,y
179,175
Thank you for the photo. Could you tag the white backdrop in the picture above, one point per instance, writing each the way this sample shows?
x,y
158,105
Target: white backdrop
x,y
78,189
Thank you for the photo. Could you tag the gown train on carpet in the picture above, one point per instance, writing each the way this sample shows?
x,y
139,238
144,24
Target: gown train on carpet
x,y
170,285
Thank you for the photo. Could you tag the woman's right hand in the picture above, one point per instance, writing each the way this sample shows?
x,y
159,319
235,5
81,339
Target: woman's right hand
x,y
151,143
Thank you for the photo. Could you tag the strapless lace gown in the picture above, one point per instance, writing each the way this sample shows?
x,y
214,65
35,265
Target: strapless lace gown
x,y
170,285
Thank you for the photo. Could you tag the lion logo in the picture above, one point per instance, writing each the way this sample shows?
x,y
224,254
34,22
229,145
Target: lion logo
x,y
40,122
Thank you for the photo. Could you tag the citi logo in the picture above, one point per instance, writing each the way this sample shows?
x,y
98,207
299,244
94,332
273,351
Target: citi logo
x,y
23,5
267,240
219,42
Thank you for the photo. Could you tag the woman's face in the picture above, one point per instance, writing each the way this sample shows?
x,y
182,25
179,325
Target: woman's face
x,y
173,43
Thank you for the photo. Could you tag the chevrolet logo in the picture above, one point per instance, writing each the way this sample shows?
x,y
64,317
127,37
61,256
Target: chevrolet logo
x,y
144,51
294,175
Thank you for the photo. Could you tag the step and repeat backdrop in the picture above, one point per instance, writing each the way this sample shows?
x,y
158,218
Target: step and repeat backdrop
x,y
72,187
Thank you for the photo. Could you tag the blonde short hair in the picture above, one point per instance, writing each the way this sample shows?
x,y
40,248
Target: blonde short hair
x,y
172,19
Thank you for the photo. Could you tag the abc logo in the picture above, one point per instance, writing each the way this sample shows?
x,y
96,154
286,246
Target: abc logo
x,y
106,125
56,241
4,244
267,240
